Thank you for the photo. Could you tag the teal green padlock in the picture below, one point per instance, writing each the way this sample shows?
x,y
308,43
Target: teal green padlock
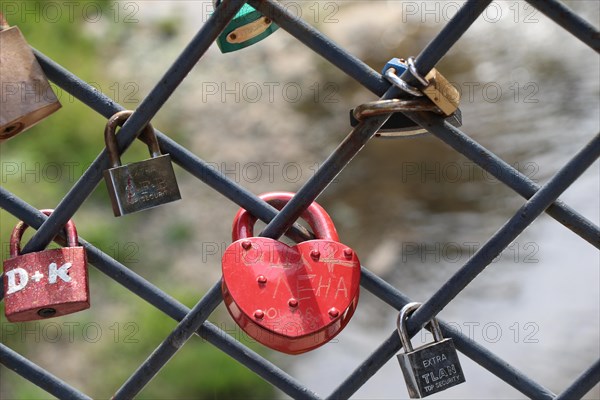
x,y
246,28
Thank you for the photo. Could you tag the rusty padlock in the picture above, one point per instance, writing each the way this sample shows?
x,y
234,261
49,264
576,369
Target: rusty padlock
x,y
27,97
291,299
140,185
48,283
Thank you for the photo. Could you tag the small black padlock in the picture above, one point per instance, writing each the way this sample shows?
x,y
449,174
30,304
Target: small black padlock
x,y
430,368
140,185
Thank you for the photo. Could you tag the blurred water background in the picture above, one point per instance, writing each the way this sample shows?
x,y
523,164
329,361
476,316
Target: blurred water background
x,y
413,209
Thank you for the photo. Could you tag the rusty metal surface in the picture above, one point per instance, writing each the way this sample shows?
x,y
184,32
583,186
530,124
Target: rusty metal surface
x,y
27,97
48,283
141,185
194,321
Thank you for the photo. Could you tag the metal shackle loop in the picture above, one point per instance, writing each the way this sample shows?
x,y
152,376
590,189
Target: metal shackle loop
x,y
380,107
111,143
395,80
17,234
401,325
316,216
413,70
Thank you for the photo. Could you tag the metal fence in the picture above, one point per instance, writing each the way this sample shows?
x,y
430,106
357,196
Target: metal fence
x,y
539,199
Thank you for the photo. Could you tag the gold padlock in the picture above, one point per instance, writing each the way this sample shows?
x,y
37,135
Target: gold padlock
x,y
27,97
437,88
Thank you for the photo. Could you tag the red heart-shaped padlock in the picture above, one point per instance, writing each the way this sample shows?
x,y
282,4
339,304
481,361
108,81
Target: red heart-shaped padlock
x,y
291,299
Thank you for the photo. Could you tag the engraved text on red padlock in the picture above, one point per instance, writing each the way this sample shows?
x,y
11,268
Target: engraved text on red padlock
x,y
292,299
45,284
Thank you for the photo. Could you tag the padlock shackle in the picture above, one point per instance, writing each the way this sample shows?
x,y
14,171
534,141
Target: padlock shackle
x,y
401,325
119,119
3,23
17,234
315,215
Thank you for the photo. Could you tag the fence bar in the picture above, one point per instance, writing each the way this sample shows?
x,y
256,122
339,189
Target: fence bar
x,y
268,371
359,137
517,181
369,367
238,194
330,168
373,81
322,45
38,375
442,42
179,154
98,102
539,199
147,109
573,23
354,67
494,364
468,347
511,229
167,304
162,301
167,349
583,384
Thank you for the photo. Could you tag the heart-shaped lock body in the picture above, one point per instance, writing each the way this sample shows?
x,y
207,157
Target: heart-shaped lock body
x,y
291,299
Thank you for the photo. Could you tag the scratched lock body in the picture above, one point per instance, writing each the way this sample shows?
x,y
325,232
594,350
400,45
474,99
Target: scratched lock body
x,y
430,368
441,92
27,97
290,298
48,283
140,185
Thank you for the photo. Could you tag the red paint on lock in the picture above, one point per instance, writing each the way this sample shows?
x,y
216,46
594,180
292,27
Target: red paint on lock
x,y
291,310
45,284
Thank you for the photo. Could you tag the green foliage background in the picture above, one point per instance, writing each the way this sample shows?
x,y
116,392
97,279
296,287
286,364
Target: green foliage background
x,y
98,349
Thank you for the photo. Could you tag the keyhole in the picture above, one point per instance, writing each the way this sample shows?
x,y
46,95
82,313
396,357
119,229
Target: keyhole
x,y
12,130
233,36
46,312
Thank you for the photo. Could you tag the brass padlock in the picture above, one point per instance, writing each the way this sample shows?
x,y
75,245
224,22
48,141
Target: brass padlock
x,y
140,185
27,97
399,125
437,88
430,368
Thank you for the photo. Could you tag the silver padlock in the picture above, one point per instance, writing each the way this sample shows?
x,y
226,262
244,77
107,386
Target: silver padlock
x,y
27,97
140,185
430,368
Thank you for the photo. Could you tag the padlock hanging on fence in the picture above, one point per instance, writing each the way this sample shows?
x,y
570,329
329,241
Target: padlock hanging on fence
x,y
291,299
430,368
437,95
248,26
140,185
47,283
27,97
